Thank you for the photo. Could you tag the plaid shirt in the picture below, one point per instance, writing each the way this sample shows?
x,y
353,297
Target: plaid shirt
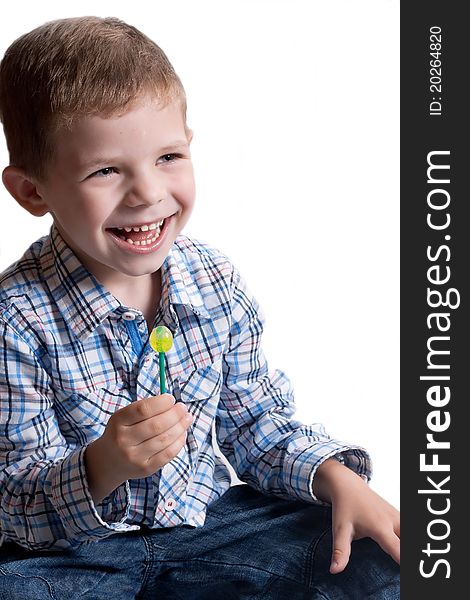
x,y
72,355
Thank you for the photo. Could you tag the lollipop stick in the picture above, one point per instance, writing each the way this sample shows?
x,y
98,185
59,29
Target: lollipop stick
x,y
161,358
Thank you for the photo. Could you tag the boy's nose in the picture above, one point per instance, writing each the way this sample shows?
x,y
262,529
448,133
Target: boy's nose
x,y
145,190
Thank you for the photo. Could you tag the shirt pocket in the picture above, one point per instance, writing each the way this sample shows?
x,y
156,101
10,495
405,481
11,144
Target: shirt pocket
x,y
83,415
201,384
200,391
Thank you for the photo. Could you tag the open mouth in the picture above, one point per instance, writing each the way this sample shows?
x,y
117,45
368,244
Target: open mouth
x,y
147,236
141,235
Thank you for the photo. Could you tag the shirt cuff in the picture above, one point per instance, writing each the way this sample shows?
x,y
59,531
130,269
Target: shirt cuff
x,y
115,507
302,466
80,517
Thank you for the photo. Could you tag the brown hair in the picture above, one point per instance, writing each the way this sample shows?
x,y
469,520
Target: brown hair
x,y
71,68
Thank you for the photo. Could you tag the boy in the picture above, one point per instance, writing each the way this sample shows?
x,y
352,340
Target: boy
x,y
99,475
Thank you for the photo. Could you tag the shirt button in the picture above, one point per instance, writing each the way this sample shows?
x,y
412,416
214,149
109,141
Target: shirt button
x,y
129,315
170,504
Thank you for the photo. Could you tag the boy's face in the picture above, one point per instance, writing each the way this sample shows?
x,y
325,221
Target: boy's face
x,y
112,174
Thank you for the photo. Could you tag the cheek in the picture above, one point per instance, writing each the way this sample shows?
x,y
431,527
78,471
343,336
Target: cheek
x,y
94,213
190,196
188,190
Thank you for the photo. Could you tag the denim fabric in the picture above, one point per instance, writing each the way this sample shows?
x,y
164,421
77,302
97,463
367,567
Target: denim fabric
x,y
252,546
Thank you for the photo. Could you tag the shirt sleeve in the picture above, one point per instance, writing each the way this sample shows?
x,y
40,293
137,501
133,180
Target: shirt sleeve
x,y
45,502
256,431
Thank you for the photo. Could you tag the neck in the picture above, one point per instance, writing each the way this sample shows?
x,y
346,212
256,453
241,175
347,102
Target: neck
x,y
142,293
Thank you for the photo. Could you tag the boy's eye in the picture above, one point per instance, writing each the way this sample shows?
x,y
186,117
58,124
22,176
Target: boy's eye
x,y
105,172
166,158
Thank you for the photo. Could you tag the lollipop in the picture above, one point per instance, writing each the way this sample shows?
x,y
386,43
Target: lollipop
x,y
161,341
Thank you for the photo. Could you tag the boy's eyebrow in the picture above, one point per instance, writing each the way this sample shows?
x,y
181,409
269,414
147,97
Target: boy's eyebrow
x,y
174,146
103,160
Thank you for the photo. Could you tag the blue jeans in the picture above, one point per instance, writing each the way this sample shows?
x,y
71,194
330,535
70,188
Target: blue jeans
x,y
252,546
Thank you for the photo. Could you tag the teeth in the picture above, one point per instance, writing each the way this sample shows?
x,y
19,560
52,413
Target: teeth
x,y
151,227
146,242
155,228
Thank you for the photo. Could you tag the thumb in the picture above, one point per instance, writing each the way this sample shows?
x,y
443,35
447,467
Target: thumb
x,y
342,537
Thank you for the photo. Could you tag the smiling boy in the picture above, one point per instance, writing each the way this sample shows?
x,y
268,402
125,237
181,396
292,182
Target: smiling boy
x,y
124,209
100,476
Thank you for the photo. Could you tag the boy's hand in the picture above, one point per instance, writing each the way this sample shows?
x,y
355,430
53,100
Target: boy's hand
x,y
357,512
138,440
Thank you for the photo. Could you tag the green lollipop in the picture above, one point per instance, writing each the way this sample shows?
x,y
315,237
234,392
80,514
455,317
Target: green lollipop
x,y
161,340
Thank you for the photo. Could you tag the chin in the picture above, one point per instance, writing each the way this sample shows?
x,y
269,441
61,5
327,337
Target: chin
x,y
139,270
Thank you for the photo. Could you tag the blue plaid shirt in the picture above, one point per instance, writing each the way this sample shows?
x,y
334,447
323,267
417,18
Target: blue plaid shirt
x,y
72,355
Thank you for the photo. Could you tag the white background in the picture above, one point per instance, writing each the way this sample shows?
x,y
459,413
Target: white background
x,y
295,110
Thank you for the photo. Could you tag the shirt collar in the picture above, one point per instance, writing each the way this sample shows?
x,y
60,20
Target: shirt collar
x,y
179,280
85,303
81,299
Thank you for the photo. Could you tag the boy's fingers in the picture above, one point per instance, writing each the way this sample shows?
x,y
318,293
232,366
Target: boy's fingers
x,y
145,408
391,545
397,529
163,457
341,549
162,427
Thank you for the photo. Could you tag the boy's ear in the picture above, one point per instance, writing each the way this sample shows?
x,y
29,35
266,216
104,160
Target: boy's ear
x,y
189,135
24,190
